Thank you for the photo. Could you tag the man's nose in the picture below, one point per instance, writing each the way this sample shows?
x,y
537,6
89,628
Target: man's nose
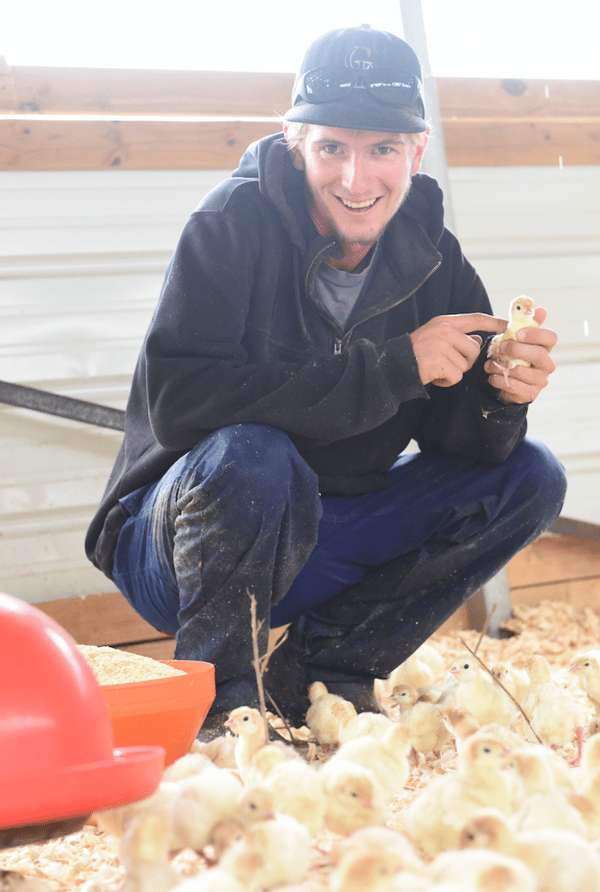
x,y
355,174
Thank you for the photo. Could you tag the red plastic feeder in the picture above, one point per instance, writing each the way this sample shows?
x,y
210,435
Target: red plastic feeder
x,y
58,762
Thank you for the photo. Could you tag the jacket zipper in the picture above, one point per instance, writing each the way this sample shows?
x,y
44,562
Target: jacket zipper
x,y
339,342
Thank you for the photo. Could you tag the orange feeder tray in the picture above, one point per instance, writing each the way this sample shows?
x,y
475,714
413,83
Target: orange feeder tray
x,y
164,711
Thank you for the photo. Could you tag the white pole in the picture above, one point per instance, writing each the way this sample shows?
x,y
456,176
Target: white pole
x,y
434,162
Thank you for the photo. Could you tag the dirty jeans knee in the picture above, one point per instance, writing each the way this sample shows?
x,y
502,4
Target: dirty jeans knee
x,y
370,627
236,516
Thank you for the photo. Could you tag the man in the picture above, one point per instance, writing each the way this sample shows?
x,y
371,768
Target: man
x,y
315,318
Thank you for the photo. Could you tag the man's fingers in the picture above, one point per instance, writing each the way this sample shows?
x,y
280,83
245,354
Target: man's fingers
x,y
467,322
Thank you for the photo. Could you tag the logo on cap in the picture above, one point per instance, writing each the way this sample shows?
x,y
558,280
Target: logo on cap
x,y
358,59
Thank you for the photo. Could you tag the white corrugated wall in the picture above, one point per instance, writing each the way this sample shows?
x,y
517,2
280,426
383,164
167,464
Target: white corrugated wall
x,y
82,256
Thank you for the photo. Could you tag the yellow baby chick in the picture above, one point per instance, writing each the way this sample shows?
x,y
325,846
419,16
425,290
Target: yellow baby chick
x,y
425,721
297,791
320,719
186,766
560,860
515,681
242,875
379,839
201,805
435,816
15,881
587,668
220,750
145,857
555,714
357,725
520,316
361,870
214,790
284,848
419,669
354,798
542,803
386,757
483,870
478,692
252,733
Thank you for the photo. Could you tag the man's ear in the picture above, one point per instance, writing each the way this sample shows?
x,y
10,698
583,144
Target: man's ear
x,y
420,151
297,159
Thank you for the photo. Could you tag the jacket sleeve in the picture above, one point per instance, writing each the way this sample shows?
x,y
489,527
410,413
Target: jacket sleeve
x,y
470,421
199,376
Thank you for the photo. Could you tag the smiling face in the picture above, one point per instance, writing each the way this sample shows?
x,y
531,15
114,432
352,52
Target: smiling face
x,y
356,181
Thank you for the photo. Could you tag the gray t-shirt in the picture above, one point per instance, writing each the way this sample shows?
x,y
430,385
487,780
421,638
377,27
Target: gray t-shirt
x,y
339,289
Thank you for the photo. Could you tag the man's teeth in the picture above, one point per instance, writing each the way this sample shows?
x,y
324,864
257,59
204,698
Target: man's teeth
x,y
358,205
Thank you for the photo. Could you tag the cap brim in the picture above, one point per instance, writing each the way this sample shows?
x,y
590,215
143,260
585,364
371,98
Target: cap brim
x,y
358,116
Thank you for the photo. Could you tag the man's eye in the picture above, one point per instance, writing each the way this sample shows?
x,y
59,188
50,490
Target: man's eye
x,y
331,148
384,150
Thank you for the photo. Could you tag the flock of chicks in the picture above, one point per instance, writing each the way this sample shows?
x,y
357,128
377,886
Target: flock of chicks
x,y
513,815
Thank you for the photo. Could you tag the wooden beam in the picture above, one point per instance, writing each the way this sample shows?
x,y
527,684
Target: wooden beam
x,y
138,144
126,92
145,120
101,620
42,144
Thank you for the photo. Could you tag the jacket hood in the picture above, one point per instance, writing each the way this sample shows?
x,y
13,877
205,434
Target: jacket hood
x,y
268,161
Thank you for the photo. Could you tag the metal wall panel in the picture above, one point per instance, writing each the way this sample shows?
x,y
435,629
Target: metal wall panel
x,y
82,257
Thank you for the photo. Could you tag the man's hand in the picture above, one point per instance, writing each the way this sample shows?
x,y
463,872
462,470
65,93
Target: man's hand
x,y
533,345
445,351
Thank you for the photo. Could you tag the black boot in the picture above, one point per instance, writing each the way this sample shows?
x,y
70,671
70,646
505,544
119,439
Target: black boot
x,y
290,673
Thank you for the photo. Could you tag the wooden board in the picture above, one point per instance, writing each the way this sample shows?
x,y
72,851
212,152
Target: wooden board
x,y
148,120
45,144
101,620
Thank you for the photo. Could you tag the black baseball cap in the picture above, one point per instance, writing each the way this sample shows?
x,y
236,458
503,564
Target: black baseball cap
x,y
360,78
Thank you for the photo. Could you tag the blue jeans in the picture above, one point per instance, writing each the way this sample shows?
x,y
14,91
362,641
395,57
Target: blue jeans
x,y
363,580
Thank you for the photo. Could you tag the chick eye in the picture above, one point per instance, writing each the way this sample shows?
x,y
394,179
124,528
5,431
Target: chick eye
x,y
354,794
466,665
519,307
246,718
487,749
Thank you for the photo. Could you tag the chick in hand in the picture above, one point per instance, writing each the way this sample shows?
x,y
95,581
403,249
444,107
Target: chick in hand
x,y
520,316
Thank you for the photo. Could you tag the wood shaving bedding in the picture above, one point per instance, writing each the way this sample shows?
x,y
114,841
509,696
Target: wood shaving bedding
x,y
88,860
113,666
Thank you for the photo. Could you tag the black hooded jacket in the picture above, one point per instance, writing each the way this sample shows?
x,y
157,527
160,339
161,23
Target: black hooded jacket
x,y
239,335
